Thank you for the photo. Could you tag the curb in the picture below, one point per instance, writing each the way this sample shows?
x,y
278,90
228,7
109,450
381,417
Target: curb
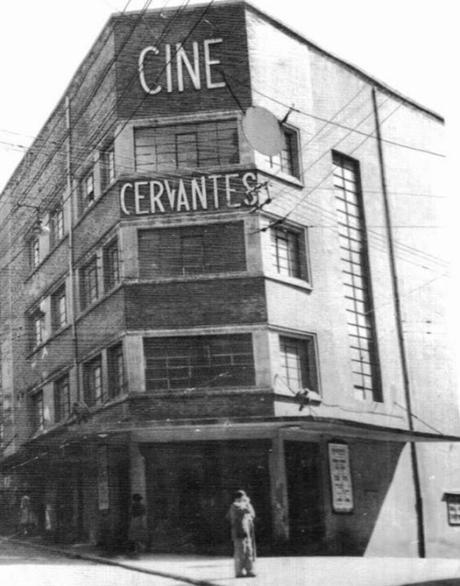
x,y
108,562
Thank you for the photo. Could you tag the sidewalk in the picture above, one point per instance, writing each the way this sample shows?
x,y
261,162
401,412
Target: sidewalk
x,y
282,571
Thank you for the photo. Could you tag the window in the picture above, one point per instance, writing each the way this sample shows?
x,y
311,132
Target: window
x,y
87,193
92,381
57,225
38,418
199,361
298,363
211,248
34,251
207,144
288,252
59,308
111,265
61,399
89,286
356,280
108,166
288,159
38,328
116,370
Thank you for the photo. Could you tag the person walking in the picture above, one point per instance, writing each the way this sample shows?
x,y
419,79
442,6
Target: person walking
x,y
241,516
137,534
26,516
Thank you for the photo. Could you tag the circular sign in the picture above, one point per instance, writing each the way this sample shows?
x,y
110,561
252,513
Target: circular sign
x,y
263,131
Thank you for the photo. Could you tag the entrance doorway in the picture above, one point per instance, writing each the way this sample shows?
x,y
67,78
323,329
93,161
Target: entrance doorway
x,y
189,491
306,519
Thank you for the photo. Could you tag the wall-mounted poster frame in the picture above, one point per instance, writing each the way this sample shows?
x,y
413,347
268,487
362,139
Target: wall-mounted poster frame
x,y
340,477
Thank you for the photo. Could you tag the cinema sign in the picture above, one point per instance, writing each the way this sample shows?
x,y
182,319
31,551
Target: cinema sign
x,y
197,193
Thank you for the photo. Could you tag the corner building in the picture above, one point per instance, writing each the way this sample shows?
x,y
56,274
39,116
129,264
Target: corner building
x,y
182,316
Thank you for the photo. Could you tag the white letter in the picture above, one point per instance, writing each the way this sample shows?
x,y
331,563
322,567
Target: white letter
x,y
171,195
155,197
252,196
214,179
144,85
200,192
124,209
208,62
194,71
229,190
182,200
138,197
168,68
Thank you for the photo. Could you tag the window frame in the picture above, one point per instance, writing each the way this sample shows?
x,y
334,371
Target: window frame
x,y
57,297
308,373
91,267
38,328
277,163
111,268
108,165
93,393
57,225
298,265
34,251
200,361
59,384
116,376
38,415
87,196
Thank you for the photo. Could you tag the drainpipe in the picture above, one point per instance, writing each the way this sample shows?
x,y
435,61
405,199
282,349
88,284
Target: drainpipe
x,y
399,331
70,244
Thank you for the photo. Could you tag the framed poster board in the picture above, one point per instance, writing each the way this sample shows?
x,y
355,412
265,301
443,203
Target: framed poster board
x,y
453,507
340,474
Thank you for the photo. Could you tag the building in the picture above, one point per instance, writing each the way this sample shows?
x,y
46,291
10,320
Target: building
x,y
182,315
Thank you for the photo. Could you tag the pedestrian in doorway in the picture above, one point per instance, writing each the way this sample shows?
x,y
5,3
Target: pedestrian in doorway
x,y
26,516
137,534
241,516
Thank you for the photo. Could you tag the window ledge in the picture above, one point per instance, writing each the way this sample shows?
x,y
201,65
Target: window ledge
x,y
197,277
283,177
291,281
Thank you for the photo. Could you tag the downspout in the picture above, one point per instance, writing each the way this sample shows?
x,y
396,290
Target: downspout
x,y
70,244
399,331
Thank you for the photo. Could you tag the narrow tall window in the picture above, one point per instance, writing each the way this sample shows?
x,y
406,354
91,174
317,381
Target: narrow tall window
x,y
59,308
89,286
57,225
111,265
288,252
61,399
87,194
92,380
38,418
108,166
356,279
287,161
116,370
34,251
298,363
38,328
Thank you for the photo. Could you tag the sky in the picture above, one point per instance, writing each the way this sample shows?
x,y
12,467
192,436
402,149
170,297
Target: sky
x,y
409,44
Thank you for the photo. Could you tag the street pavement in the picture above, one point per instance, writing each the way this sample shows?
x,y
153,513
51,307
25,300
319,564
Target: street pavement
x,y
41,565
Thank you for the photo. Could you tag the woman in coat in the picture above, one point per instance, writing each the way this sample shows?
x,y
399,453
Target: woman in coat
x,y
241,516
137,534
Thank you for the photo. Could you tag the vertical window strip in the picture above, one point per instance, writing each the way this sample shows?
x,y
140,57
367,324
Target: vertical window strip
x,y
354,257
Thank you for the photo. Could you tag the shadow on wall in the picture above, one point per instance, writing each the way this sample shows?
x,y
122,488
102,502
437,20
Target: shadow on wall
x,y
383,519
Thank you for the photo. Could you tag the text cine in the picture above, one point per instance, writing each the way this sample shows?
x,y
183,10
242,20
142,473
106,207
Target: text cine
x,y
199,62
